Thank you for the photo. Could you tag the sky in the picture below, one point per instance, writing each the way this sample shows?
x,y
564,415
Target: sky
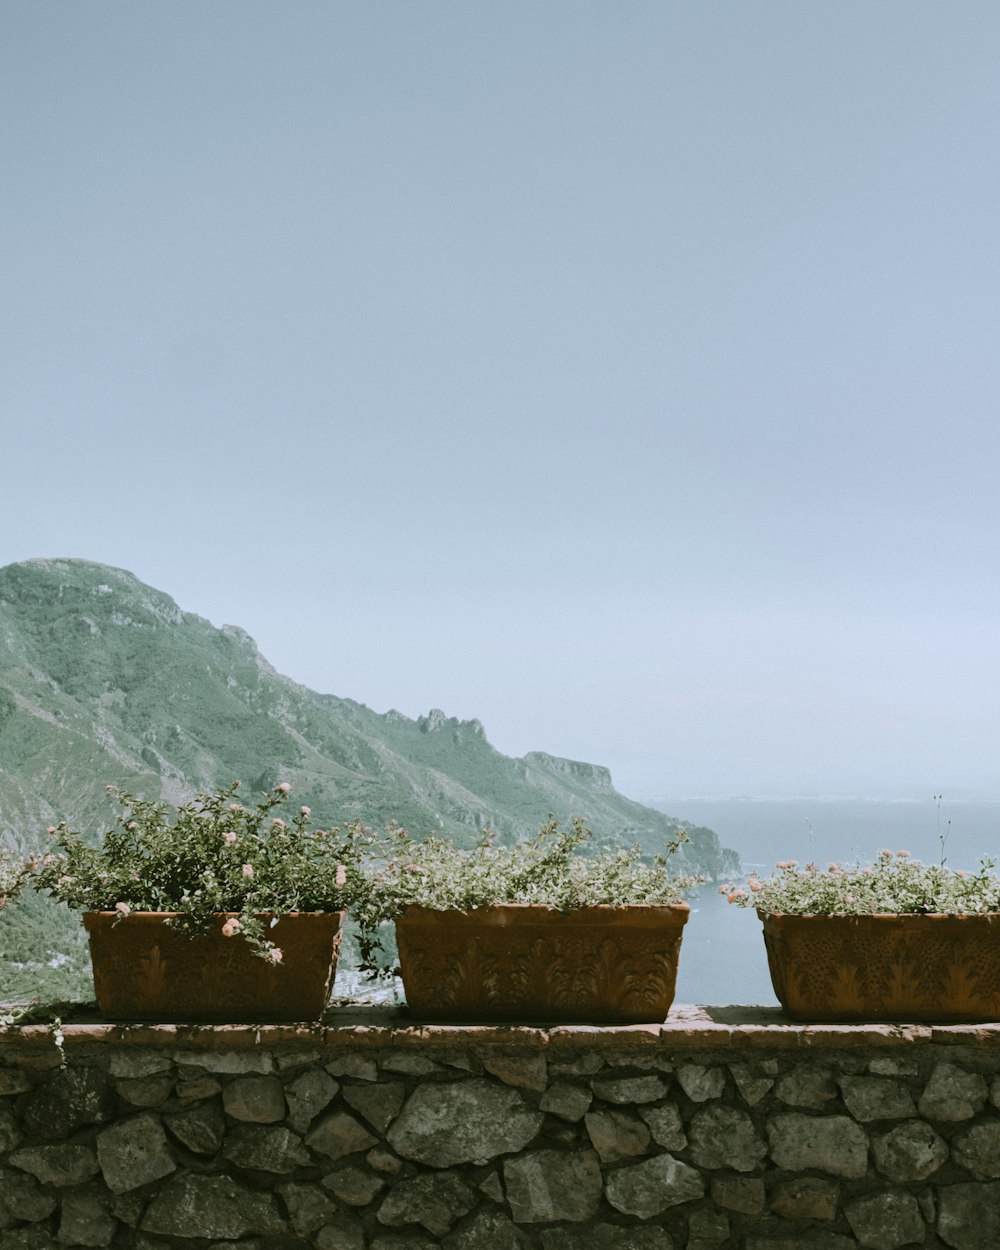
x,y
622,375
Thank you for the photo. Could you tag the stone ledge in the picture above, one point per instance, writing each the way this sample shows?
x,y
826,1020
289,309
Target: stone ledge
x,y
687,1027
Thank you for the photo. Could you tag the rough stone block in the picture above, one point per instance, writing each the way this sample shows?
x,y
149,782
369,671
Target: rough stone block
x,y
138,1063
553,1185
753,1086
630,1089
191,1205
462,1122
870,1098
308,1207
606,1237
567,1101
265,1148
356,1066
339,1134
969,1215
648,1188
133,1153
196,1088
744,1194
199,1130
488,1230
85,1221
406,1063
379,1104
701,1083
255,1099
831,1143
307,1095
524,1071
616,1135
344,1235
145,1091
436,1202
952,1094
886,1221
354,1186
806,1086
707,1230
60,1165
910,1152
806,1198
68,1100
978,1150
23,1198
666,1126
724,1137
13,1081
228,1062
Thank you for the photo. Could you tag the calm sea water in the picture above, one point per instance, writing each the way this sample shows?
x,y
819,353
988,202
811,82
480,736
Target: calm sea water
x,y
722,957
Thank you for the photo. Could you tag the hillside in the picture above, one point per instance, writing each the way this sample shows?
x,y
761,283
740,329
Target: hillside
x,y
104,679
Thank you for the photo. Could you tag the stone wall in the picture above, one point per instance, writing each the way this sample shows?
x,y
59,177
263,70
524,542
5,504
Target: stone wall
x,y
722,1128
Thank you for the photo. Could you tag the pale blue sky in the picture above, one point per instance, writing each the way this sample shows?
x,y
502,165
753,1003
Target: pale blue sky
x,y
622,374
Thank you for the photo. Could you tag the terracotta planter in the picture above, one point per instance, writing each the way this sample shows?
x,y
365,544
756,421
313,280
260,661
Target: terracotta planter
x,y
147,970
595,965
892,967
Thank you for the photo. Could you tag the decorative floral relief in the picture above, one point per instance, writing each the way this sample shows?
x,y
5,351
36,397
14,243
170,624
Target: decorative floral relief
x,y
148,971
844,968
536,971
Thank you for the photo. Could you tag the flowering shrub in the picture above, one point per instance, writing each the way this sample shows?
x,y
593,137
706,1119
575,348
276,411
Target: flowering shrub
x,y
217,855
13,871
547,870
895,883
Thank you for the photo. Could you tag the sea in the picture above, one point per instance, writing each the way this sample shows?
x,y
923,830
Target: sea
x,y
722,954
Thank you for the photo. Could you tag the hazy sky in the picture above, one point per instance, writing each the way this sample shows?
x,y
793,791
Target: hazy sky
x,y
624,374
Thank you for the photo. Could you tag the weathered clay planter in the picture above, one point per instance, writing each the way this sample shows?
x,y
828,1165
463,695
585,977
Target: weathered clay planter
x,y
596,965
147,970
892,967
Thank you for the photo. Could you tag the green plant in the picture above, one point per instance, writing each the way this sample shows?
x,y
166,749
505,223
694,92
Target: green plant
x,y
14,871
546,870
216,855
894,883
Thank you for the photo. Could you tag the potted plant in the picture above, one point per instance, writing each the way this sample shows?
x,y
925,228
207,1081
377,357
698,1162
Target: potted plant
x,y
533,932
221,912
14,871
892,940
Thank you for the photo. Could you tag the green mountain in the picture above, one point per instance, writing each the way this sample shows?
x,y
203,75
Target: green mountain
x,y
105,680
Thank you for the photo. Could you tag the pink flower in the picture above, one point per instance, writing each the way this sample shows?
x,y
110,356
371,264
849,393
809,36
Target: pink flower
x,y
724,889
247,871
735,894
275,955
283,787
123,908
306,811
133,824
51,829
341,875
280,823
902,854
230,928
755,885
885,854
229,837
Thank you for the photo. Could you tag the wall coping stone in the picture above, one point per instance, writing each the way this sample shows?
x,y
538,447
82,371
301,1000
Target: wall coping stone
x,y
691,1027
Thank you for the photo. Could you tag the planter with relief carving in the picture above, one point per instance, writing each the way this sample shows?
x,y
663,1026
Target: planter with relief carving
x,y
148,969
902,967
532,964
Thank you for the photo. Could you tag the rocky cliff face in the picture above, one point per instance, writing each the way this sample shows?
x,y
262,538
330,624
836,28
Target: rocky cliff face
x,y
104,679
